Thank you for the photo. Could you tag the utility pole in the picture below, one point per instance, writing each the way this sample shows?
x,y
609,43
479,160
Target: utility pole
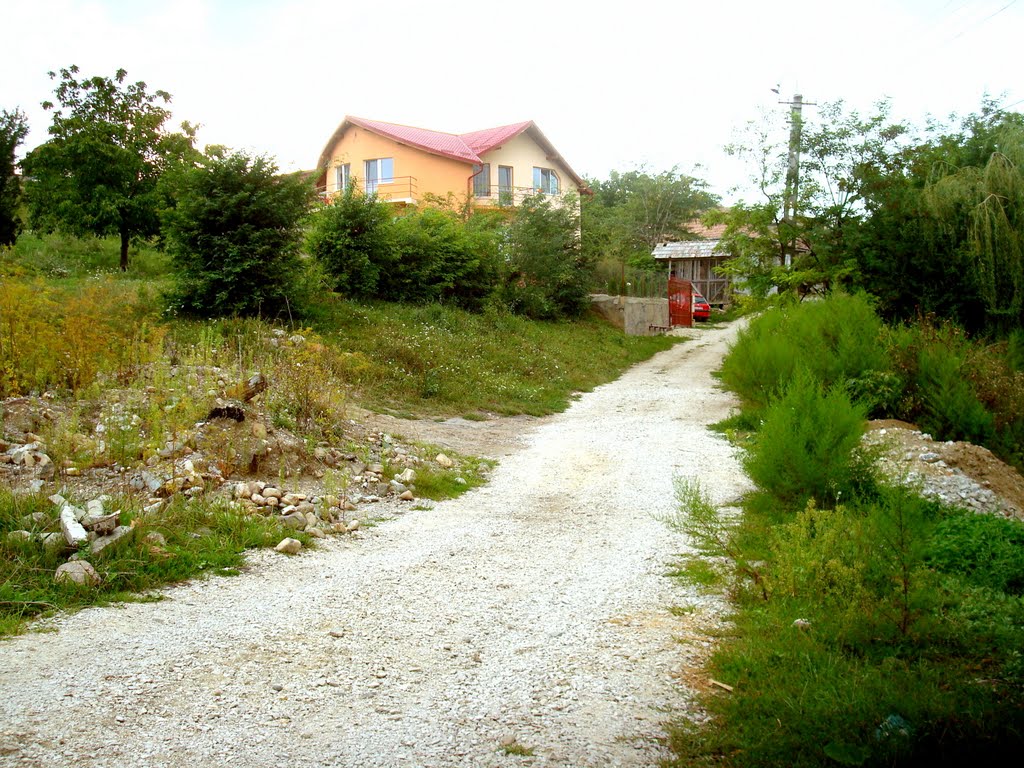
x,y
793,170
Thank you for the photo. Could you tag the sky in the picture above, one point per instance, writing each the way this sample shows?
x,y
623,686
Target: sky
x,y
614,84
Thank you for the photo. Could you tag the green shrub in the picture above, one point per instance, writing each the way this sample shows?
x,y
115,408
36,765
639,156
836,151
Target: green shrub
x,y
546,276
836,339
808,446
985,550
951,410
234,236
353,238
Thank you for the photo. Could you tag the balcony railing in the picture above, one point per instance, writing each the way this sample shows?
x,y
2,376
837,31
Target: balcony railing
x,y
396,189
501,196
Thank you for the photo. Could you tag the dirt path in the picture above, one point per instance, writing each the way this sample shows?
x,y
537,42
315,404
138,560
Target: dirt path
x,y
530,613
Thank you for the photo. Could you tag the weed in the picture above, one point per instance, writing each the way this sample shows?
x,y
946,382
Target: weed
x,y
515,748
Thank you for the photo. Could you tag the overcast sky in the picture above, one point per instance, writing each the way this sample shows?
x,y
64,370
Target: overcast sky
x,y
614,84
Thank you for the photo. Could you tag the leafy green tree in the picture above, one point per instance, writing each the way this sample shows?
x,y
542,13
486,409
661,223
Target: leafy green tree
x,y
438,257
547,274
353,239
13,130
234,237
629,213
98,173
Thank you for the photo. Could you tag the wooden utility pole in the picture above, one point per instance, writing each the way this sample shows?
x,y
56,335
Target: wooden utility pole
x,y
793,170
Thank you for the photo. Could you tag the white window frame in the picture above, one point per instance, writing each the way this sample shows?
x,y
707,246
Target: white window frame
x,y
375,173
549,185
342,176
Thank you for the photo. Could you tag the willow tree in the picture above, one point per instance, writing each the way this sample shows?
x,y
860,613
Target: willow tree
x,y
981,208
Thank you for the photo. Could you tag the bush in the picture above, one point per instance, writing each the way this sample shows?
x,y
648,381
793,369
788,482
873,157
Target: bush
x,y
837,339
808,446
352,237
234,237
547,276
985,550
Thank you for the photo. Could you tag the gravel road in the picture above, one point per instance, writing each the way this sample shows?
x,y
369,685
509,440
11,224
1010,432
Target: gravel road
x,y
528,615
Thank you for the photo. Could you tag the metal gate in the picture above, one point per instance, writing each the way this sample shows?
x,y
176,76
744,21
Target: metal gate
x,y
680,302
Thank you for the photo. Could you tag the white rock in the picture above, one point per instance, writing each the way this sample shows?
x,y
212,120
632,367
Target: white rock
x,y
406,476
101,543
73,531
78,572
444,461
289,546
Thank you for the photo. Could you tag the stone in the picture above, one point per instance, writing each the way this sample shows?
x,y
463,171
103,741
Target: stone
x,y
101,543
102,524
258,499
353,526
53,542
294,520
273,493
930,457
77,572
802,624
19,536
444,461
152,482
316,533
289,546
406,476
376,469
310,520
155,539
396,488
292,499
73,531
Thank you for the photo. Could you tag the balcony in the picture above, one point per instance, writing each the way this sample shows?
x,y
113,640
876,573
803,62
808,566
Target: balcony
x,y
397,189
503,197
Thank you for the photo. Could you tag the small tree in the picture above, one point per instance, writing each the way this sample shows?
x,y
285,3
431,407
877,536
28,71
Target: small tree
x,y
98,173
13,129
353,238
547,275
234,237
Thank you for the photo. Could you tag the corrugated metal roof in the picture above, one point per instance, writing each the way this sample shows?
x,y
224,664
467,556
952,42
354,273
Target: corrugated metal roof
x,y
436,142
489,138
686,249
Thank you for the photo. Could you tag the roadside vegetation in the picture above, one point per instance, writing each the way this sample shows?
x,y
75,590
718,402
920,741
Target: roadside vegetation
x,y
869,626
144,283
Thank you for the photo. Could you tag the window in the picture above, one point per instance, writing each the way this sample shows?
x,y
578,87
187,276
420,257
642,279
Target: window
x,y
342,174
380,171
504,185
545,180
482,180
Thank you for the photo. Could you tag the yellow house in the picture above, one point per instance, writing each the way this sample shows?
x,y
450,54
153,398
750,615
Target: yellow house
x,y
495,167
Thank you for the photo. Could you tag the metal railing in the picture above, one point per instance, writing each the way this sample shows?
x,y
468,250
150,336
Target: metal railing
x,y
396,189
501,196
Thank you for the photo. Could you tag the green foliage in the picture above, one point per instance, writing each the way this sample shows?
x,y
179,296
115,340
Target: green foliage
x,y
201,536
985,550
352,238
13,130
546,275
808,445
234,237
835,339
98,173
950,409
629,213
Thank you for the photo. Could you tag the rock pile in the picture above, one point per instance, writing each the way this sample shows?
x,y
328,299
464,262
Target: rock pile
x,y
954,473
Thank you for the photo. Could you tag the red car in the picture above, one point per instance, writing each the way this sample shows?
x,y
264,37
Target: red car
x,y
701,308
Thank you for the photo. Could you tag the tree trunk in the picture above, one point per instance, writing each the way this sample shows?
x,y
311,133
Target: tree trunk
x,y
124,248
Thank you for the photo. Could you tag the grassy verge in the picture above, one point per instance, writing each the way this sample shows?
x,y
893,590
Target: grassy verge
x,y
195,537
869,626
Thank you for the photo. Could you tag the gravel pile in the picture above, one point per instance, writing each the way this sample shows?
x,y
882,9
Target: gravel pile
x,y
531,615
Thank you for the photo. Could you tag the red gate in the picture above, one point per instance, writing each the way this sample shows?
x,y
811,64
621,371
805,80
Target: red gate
x,y
680,302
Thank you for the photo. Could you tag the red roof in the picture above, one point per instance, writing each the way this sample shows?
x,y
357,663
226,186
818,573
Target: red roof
x,y
465,147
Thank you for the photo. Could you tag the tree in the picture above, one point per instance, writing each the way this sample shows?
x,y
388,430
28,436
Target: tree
x,y
234,237
353,238
98,173
13,130
630,213
547,274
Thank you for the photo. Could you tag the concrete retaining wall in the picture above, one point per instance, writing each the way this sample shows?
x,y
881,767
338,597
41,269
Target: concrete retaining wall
x,y
634,315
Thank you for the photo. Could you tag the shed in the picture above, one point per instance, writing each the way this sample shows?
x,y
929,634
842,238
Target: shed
x,y
699,261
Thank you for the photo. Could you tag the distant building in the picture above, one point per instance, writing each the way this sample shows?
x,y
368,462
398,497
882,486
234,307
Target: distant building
x,y
698,261
493,168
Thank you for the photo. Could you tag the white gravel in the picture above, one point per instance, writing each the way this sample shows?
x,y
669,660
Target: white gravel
x,y
535,609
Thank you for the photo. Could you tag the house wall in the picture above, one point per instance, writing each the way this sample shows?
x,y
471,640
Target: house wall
x,y
434,174
523,154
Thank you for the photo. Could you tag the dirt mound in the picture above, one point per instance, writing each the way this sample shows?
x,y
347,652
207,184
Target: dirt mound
x,y
908,452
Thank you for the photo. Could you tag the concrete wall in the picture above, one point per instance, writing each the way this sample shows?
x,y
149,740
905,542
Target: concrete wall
x,y
634,315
